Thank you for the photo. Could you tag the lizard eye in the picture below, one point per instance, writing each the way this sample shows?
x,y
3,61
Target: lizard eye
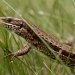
x,y
9,20
21,25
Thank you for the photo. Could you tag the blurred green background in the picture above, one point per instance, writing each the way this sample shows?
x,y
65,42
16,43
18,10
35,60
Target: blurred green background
x,y
55,17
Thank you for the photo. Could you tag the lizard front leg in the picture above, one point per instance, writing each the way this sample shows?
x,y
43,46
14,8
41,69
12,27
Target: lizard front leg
x,y
21,52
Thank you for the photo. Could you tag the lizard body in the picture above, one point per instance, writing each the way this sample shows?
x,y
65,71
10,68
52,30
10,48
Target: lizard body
x,y
21,28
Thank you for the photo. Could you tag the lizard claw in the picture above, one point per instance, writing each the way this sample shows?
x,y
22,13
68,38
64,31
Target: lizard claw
x,y
9,54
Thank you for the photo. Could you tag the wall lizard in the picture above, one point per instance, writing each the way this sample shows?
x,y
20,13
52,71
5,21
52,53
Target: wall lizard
x,y
22,29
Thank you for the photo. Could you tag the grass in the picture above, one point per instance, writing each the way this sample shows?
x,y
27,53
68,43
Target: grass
x,y
56,17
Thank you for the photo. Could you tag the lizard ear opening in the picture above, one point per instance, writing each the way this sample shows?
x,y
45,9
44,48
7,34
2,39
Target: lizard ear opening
x,y
21,25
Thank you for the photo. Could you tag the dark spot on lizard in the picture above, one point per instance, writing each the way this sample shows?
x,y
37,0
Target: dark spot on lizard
x,y
21,25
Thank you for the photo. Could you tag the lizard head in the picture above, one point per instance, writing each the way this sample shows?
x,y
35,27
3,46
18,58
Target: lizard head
x,y
14,24
11,23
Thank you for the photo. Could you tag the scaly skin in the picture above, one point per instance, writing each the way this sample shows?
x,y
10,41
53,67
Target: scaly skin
x,y
24,30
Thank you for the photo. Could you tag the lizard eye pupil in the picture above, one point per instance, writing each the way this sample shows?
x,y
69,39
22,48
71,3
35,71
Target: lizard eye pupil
x,y
21,25
8,20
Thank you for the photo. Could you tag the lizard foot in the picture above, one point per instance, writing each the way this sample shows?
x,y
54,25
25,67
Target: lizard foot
x,y
21,52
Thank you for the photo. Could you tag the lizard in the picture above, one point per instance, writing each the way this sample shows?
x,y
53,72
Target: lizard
x,y
21,28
